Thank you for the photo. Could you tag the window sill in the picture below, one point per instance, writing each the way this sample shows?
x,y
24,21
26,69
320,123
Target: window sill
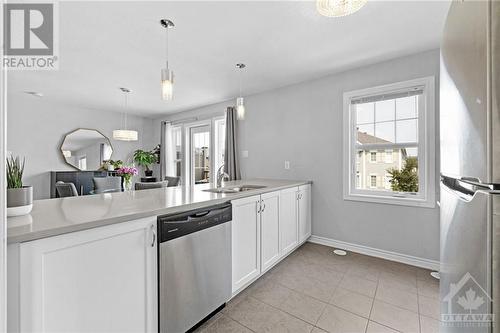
x,y
388,200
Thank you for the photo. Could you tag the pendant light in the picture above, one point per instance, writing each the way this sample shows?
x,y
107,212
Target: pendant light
x,y
240,103
338,8
125,134
167,76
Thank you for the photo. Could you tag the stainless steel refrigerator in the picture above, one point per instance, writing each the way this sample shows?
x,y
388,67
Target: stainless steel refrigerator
x,y
470,167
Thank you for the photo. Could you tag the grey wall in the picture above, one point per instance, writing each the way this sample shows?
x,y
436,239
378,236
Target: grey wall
x,y
303,124
37,128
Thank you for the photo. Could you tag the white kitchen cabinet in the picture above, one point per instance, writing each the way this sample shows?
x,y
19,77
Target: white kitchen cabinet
x,y
288,220
270,229
304,212
97,280
245,240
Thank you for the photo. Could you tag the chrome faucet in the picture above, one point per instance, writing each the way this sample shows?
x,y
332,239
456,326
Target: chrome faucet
x,y
221,175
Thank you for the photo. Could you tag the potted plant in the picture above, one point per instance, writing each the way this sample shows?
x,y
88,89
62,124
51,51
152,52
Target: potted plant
x,y
145,159
127,173
19,196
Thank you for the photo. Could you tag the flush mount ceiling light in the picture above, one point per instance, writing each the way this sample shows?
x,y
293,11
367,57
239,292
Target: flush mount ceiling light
x,y
125,134
167,76
338,8
240,103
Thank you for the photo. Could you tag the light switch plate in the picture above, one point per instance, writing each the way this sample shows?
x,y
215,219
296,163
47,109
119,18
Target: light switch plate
x,y
244,153
287,165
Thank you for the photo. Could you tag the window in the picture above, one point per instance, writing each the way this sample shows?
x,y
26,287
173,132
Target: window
x,y
199,138
388,155
82,162
220,142
195,150
391,127
177,146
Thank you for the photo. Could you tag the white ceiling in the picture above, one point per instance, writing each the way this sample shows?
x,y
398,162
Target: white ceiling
x,y
106,45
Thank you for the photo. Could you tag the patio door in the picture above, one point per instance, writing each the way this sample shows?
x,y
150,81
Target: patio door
x,y
199,152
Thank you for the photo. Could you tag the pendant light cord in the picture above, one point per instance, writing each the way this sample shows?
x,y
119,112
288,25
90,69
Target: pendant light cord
x,y
240,82
126,109
166,49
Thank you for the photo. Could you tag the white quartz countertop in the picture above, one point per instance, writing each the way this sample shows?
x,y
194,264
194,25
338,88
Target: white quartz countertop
x,y
52,217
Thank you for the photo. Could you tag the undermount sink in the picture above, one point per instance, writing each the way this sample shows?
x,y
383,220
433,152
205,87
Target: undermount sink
x,y
234,189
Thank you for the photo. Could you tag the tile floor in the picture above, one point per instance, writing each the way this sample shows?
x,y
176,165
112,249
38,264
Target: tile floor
x,y
315,291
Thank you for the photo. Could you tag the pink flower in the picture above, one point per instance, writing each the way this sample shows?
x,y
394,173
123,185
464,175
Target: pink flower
x,y
127,171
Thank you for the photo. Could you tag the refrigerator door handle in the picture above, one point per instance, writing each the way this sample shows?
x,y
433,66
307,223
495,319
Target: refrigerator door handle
x,y
477,182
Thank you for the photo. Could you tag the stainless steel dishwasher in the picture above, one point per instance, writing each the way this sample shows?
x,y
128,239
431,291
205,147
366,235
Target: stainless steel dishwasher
x,y
194,266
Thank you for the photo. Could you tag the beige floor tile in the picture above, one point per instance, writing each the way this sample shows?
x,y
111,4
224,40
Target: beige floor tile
x,y
322,273
209,322
363,271
303,307
374,327
318,330
395,317
429,307
336,320
429,289
359,285
397,284
323,291
269,292
353,302
252,313
425,275
397,297
281,322
428,325
235,300
225,324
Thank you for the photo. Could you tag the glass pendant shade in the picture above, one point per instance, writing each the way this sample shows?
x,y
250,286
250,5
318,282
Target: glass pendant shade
x,y
240,108
167,84
125,135
338,8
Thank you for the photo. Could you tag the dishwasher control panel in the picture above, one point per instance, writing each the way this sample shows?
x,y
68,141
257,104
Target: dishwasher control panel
x,y
172,226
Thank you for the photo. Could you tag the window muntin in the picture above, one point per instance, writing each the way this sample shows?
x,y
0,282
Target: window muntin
x,y
392,121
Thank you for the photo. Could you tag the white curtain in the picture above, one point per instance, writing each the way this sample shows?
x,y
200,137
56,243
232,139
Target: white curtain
x,y
169,151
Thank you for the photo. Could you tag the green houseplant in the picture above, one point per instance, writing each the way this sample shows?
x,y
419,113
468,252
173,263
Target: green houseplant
x,y
145,159
19,196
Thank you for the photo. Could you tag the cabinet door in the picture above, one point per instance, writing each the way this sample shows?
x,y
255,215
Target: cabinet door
x,y
288,220
245,241
269,229
304,203
98,280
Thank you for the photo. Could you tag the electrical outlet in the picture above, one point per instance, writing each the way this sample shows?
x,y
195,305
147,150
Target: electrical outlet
x,y
287,165
244,153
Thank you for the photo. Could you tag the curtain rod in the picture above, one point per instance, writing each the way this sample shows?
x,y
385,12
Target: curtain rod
x,y
195,118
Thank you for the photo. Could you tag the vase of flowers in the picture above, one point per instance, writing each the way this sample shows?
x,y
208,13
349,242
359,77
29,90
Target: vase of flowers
x,y
127,173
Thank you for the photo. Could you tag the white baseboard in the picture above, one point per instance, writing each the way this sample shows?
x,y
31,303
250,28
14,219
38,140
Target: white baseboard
x,y
370,251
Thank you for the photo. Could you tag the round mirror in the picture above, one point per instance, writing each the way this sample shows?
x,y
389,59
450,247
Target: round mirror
x,y
86,149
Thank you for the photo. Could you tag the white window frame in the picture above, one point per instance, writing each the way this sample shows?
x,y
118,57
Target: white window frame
x,y
389,152
371,175
426,147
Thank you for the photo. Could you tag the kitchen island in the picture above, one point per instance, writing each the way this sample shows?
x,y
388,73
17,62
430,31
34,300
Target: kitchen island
x,y
90,263
52,217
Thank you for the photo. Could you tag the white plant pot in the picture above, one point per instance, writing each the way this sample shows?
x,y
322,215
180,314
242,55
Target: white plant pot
x,y
19,201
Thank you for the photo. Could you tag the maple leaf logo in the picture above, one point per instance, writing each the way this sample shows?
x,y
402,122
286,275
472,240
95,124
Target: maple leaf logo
x,y
470,301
